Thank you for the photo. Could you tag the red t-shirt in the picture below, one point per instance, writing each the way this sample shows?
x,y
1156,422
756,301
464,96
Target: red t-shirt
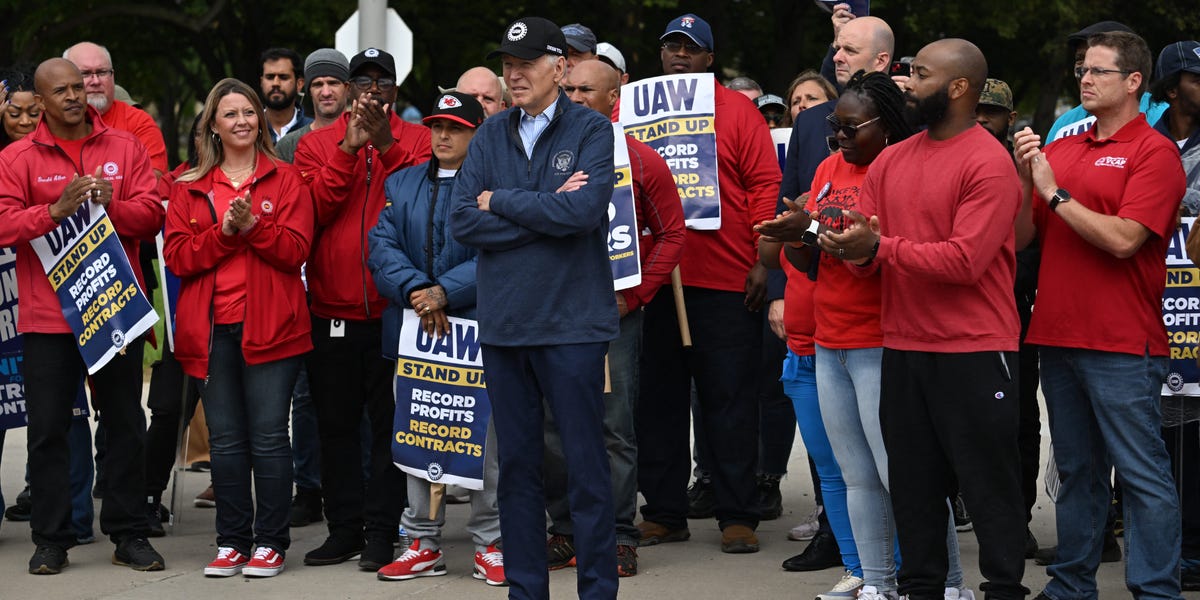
x,y
798,318
229,295
1088,298
847,305
946,210
74,149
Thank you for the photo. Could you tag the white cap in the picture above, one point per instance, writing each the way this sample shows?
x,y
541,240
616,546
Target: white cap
x,y
605,50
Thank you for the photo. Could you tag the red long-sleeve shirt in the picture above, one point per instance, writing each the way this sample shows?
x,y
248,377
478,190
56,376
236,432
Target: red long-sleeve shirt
x,y
659,221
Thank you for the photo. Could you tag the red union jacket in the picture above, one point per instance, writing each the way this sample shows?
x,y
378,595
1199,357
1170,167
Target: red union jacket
x,y
347,191
33,174
276,324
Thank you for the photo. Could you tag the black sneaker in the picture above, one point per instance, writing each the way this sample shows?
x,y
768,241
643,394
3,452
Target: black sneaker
x,y
376,554
770,500
962,519
137,554
154,522
22,510
48,560
701,499
560,552
335,550
306,507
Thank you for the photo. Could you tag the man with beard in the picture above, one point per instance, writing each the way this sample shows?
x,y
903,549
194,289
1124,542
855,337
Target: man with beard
x,y
345,164
280,84
948,402
99,80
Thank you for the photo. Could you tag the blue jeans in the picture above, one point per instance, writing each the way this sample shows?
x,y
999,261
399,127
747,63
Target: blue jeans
x,y
1104,412
619,439
800,384
848,390
247,410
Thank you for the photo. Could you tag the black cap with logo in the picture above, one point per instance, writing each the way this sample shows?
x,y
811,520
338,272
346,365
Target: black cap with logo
x,y
373,56
530,37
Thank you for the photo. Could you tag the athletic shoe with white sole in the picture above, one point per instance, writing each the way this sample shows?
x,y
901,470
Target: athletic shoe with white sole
x,y
267,562
229,562
489,566
846,588
415,562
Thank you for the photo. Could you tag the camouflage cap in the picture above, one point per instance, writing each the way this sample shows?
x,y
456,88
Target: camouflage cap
x,y
996,93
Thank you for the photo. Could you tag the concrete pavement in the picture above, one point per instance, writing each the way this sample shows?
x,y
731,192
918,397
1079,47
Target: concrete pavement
x,y
694,570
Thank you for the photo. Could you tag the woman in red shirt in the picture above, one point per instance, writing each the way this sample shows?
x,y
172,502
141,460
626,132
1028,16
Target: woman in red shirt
x,y
239,225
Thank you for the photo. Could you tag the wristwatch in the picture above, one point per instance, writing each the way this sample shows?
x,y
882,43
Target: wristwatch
x,y
1060,196
809,237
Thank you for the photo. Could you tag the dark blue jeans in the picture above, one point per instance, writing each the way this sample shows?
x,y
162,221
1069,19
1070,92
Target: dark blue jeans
x,y
619,438
247,410
571,380
306,445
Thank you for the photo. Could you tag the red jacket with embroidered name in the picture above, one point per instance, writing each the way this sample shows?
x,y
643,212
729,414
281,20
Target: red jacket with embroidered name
x,y
35,170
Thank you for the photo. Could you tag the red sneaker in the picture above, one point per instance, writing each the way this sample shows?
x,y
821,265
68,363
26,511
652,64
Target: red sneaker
x,y
267,562
489,566
414,563
229,562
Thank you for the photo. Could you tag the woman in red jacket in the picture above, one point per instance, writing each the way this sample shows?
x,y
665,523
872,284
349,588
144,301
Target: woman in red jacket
x,y
239,225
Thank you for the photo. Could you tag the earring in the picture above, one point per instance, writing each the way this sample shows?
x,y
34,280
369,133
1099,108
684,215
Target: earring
x,y
216,138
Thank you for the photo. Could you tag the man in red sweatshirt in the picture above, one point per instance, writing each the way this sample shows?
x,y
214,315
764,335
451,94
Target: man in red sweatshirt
x,y
942,205
345,165
724,287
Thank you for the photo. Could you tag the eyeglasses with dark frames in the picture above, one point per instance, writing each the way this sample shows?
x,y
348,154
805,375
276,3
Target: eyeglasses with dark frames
x,y
847,130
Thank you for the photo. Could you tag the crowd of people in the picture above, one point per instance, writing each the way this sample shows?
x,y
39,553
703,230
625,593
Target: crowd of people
x,y
876,288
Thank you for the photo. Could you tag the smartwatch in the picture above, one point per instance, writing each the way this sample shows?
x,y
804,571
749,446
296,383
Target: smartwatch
x,y
1060,196
809,237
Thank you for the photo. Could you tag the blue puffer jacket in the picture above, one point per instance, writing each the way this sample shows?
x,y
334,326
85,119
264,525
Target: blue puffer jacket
x,y
544,274
411,248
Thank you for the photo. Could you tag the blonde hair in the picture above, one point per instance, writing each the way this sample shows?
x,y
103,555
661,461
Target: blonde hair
x,y
209,151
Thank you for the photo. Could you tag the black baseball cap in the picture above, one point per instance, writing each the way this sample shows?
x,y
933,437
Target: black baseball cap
x,y
530,37
1178,57
373,56
1102,27
458,107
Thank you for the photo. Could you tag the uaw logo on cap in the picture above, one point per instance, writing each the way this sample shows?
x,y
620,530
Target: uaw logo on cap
x,y
517,31
563,160
448,101
111,168
1196,51
371,53
687,22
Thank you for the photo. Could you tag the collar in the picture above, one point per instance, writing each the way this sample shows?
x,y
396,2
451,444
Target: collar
x,y
550,111
1127,133
42,134
264,166
1163,126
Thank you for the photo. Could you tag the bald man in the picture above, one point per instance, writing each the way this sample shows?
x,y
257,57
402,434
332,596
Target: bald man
x,y
938,212
596,85
487,88
99,80
71,158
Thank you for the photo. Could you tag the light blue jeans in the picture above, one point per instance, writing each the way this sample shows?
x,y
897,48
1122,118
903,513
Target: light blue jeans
x,y
848,390
1104,412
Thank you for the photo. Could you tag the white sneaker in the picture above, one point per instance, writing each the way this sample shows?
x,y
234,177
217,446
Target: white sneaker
x,y
870,592
959,594
846,588
808,528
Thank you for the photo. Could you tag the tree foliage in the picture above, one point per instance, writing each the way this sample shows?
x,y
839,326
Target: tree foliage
x,y
169,52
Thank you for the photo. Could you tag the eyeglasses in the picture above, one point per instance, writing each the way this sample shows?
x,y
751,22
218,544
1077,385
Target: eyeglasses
x,y
363,82
1097,71
847,130
691,48
98,73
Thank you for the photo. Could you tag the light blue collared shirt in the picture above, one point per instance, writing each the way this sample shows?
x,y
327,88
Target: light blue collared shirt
x,y
532,127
